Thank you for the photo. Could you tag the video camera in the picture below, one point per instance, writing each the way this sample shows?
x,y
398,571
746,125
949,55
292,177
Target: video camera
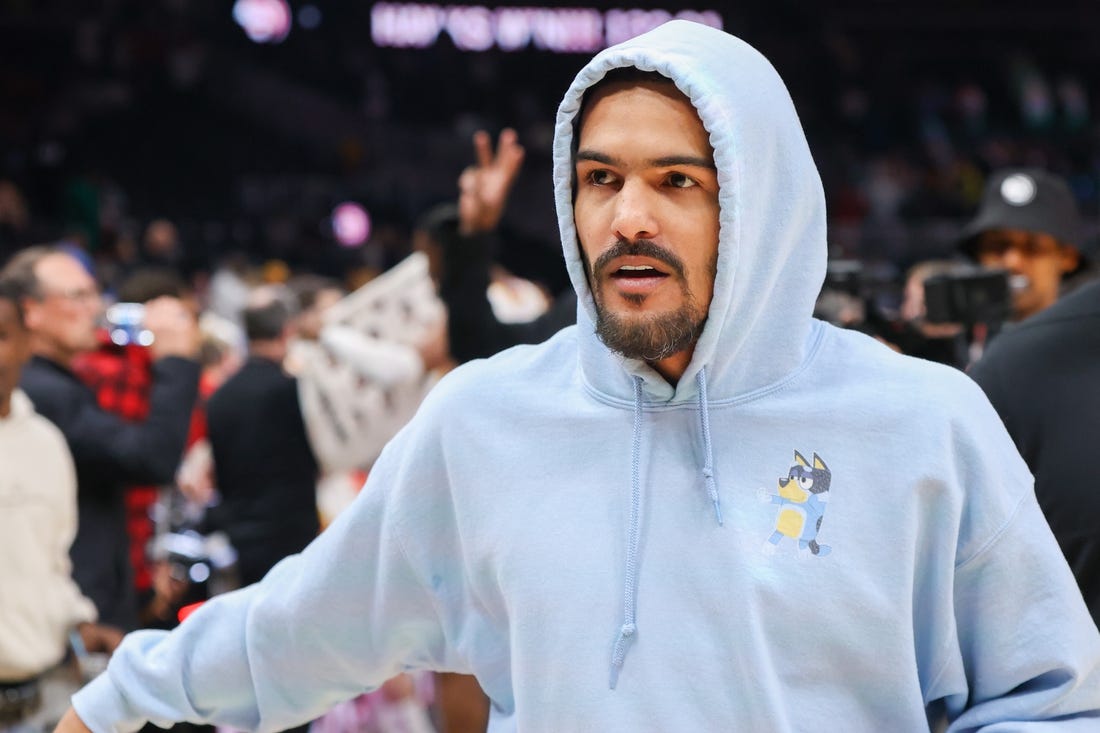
x,y
968,297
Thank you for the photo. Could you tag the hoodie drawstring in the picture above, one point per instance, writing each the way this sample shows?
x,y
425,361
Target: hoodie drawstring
x,y
708,452
627,630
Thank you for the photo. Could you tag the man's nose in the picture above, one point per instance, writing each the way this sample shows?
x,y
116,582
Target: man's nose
x,y
1013,260
634,215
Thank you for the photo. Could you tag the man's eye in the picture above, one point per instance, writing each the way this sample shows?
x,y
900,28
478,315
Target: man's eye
x,y
679,180
600,177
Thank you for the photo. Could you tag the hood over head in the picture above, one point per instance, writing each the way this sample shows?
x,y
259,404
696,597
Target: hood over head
x,y
772,249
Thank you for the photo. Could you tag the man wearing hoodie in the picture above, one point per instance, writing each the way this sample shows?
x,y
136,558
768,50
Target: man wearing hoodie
x,y
699,509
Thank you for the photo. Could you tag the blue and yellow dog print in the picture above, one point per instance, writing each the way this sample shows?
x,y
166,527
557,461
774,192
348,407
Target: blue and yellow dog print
x,y
802,498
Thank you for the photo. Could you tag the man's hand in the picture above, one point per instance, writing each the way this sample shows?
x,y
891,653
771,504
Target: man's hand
x,y
100,638
483,188
168,591
195,476
174,327
71,723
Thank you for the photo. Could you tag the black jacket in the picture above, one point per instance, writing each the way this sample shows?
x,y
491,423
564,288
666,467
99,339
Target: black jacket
x,y
1043,376
110,454
472,328
263,465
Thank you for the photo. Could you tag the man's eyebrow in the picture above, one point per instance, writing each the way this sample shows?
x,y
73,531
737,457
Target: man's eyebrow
x,y
663,162
596,157
683,160
694,160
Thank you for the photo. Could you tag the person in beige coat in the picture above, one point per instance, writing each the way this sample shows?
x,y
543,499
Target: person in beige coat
x,y
39,601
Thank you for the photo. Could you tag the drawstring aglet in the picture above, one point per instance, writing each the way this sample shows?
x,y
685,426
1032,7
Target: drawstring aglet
x,y
619,654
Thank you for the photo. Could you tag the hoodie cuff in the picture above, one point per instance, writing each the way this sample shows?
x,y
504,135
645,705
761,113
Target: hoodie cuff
x,y
101,706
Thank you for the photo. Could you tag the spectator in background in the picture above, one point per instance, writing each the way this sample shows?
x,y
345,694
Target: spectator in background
x,y
264,467
39,602
1043,377
1029,225
467,236
315,294
160,245
229,287
15,221
120,372
62,305
222,353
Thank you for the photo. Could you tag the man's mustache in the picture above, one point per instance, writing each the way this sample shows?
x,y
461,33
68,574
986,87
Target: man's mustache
x,y
639,248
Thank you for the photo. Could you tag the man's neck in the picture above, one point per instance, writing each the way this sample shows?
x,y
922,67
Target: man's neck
x,y
673,367
270,349
53,352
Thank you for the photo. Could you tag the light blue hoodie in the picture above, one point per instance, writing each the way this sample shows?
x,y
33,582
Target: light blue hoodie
x,y
550,519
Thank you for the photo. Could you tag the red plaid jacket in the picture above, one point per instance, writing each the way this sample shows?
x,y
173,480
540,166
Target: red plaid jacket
x,y
121,377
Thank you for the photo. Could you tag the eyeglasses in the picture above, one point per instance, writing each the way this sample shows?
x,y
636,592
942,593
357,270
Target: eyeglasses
x,y
76,295
997,244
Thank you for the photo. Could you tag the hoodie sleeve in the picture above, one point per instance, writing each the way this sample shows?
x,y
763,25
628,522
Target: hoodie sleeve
x,y
335,621
1025,655
1032,666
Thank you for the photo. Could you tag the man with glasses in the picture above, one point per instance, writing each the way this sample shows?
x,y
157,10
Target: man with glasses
x,y
1029,226
62,309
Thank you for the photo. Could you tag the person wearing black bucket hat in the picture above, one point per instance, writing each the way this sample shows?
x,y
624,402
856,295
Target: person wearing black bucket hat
x,y
1028,224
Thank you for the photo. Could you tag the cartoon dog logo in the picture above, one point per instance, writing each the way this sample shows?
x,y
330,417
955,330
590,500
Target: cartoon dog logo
x,y
803,495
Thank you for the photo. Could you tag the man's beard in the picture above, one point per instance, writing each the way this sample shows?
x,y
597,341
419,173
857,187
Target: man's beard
x,y
650,337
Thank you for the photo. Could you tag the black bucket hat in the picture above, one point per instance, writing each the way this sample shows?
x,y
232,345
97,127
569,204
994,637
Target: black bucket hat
x,y
1027,199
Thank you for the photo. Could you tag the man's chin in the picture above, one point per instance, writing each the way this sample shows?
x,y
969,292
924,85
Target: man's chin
x,y
649,335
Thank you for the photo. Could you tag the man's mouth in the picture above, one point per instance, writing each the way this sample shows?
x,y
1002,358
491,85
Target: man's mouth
x,y
645,272
636,282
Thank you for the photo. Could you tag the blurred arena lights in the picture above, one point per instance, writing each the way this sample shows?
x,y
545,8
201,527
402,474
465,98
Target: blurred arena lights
x,y
479,28
350,224
263,21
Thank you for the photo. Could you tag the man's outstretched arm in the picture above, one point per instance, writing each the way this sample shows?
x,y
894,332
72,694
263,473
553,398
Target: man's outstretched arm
x,y
322,627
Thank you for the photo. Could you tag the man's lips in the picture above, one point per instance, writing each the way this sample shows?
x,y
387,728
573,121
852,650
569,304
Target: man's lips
x,y
636,275
636,267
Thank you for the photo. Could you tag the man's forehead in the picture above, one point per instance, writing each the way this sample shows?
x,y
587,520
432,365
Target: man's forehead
x,y
604,89
627,93
60,266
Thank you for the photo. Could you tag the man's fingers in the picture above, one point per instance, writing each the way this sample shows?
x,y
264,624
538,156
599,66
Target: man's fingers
x,y
467,182
483,148
509,153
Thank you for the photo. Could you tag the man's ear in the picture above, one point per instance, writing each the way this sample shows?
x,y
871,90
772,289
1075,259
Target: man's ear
x,y
1068,259
32,314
